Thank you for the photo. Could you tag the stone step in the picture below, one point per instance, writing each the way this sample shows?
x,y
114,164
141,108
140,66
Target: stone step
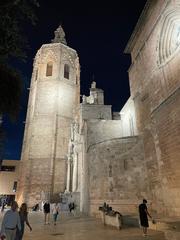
x,y
170,227
171,235
130,220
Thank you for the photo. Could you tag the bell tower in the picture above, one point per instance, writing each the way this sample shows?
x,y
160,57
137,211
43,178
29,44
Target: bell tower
x,y
53,100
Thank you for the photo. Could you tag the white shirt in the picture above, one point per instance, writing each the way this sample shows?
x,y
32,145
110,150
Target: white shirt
x,y
11,219
55,209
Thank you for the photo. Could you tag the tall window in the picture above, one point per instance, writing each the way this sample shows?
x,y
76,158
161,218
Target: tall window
x,y
15,186
76,79
36,76
66,71
49,69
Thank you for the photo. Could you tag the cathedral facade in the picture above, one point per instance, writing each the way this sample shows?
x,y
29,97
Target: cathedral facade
x,y
155,88
84,148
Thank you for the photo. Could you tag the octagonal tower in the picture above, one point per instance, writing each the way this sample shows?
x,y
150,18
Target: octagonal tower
x,y
53,100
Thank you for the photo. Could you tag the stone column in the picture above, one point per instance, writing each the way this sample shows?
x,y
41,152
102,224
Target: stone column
x,y
68,174
75,173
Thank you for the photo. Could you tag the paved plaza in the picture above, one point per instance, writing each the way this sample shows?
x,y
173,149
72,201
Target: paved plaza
x,y
81,228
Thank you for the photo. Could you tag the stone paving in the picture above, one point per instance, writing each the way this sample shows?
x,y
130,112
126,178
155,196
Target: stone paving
x,y
81,228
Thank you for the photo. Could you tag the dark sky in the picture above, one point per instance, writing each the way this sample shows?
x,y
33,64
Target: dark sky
x,y
99,33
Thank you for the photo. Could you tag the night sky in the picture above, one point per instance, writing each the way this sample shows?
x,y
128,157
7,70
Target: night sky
x,y
99,33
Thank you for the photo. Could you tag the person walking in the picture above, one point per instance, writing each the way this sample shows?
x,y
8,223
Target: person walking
x,y
143,215
3,203
10,222
23,213
46,209
72,208
55,212
3,206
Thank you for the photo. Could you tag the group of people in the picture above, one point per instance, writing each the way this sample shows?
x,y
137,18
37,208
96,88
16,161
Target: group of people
x,y
55,212
143,214
13,222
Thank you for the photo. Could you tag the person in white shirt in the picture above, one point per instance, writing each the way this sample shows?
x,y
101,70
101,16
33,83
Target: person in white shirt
x,y
10,222
55,212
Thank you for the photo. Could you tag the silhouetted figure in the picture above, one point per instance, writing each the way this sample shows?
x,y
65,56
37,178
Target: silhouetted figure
x,y
3,203
3,206
143,215
46,209
71,206
36,207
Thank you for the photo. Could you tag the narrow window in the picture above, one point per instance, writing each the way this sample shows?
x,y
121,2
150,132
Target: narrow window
x,y
110,170
66,71
125,164
15,186
36,75
49,69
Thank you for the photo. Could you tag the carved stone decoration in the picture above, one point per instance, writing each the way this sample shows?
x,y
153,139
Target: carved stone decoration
x,y
84,99
68,59
93,84
59,36
169,42
49,56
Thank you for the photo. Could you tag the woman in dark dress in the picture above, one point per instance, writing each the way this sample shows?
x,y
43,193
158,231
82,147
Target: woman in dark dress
x,y
46,209
23,213
143,215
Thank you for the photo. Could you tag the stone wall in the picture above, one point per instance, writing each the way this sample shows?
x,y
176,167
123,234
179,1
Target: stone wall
x,y
128,118
104,147
166,135
95,111
113,167
117,174
103,130
154,84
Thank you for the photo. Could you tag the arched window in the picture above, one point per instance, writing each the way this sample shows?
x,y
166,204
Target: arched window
x,y
66,71
49,69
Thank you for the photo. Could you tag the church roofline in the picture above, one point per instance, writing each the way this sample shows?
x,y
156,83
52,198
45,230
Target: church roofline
x,y
56,44
137,28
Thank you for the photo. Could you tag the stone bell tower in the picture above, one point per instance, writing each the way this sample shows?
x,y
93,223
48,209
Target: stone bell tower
x,y
53,100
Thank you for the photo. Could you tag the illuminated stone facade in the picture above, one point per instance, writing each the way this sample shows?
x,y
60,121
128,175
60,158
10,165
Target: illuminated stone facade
x,y
123,161
105,156
81,148
54,96
155,89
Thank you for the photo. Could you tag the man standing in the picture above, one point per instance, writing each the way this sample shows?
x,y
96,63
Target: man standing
x,y
143,215
10,222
